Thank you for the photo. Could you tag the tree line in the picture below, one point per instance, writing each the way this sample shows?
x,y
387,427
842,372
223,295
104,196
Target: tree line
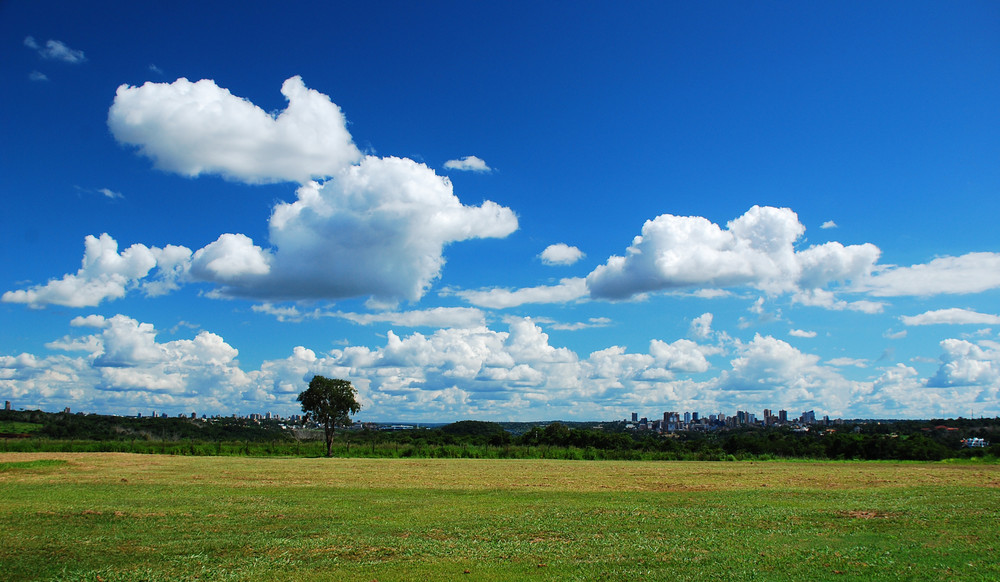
x,y
906,440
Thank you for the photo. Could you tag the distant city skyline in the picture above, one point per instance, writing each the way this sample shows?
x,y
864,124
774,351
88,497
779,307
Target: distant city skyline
x,y
501,211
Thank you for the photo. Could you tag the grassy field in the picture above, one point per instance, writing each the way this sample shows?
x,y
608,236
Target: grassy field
x,y
146,517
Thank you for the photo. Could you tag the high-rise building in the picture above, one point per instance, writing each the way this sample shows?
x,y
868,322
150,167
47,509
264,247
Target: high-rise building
x,y
767,416
782,416
635,417
6,405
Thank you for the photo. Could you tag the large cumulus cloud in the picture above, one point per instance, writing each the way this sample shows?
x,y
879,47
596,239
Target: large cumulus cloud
x,y
377,228
756,250
195,128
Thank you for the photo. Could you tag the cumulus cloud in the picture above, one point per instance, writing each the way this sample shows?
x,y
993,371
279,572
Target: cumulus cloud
x,y
569,289
467,164
127,369
828,224
106,274
756,250
378,228
201,128
969,273
55,50
964,363
777,372
479,372
953,316
560,254
231,258
701,326
682,355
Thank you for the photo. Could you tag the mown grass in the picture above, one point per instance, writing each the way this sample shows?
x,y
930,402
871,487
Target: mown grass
x,y
129,517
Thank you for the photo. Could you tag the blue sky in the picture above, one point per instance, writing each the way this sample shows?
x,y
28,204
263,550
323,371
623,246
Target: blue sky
x,y
516,211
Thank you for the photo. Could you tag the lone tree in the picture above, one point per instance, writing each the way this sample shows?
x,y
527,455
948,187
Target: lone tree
x,y
329,402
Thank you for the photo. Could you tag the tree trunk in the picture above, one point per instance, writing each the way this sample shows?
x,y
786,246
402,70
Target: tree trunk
x,y
328,431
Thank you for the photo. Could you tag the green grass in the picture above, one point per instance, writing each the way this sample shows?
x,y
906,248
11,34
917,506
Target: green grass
x,y
128,517
28,465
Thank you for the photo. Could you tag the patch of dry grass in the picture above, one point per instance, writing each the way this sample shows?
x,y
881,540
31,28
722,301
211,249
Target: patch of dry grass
x,y
491,474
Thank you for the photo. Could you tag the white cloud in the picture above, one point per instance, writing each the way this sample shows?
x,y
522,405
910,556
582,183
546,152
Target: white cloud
x,y
964,363
284,313
828,224
561,254
827,300
195,128
701,326
378,228
756,249
467,164
55,50
710,293
682,355
481,373
802,333
37,76
591,322
449,317
969,273
843,362
126,369
231,258
458,317
775,372
569,289
93,320
105,274
953,316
